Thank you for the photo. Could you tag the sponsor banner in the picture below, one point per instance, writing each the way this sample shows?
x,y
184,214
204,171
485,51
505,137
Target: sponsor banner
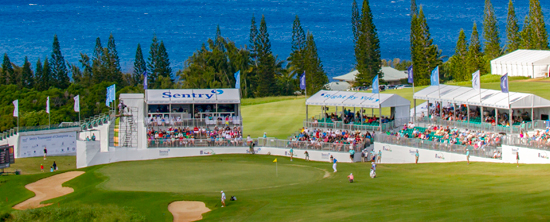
x,y
165,96
56,144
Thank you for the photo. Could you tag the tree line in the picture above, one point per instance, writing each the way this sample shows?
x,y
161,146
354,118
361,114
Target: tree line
x,y
472,55
212,66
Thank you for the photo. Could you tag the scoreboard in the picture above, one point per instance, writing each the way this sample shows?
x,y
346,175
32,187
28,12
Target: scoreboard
x,y
6,156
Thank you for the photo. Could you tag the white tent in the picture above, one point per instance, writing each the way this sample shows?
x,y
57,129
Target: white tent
x,y
495,99
361,100
522,62
489,98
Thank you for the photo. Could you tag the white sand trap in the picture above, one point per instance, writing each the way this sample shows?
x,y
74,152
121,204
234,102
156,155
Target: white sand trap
x,y
48,188
186,211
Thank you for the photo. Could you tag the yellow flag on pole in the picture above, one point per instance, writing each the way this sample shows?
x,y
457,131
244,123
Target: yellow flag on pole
x,y
275,160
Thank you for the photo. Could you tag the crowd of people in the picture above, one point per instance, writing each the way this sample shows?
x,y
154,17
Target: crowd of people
x,y
349,117
540,139
337,140
460,113
194,136
166,120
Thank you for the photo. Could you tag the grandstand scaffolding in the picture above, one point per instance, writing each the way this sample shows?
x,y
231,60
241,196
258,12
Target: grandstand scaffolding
x,y
128,128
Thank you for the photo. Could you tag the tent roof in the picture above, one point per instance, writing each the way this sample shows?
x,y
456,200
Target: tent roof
x,y
390,74
356,99
338,86
190,96
484,97
525,57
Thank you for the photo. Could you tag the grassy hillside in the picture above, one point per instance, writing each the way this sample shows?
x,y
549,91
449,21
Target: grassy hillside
x,y
423,192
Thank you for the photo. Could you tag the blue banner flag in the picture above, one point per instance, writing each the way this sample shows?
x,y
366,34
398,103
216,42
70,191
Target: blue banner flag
x,y
237,76
111,94
475,81
410,74
504,83
145,80
303,81
435,77
375,85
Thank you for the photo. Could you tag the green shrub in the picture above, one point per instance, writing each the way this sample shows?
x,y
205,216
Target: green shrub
x,y
79,213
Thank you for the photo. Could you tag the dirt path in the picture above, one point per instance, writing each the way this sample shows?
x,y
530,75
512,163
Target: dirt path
x,y
48,188
186,211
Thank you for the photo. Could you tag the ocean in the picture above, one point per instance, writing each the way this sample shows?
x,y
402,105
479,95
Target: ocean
x,y
28,26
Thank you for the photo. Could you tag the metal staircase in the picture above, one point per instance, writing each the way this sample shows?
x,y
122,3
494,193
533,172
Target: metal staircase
x,y
128,128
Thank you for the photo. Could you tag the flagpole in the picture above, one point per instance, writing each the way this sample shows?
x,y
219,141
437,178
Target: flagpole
x,y
276,170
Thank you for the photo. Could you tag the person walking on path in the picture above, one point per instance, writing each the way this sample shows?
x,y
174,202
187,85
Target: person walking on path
x,y
416,155
45,152
517,158
307,155
223,199
291,153
334,160
41,167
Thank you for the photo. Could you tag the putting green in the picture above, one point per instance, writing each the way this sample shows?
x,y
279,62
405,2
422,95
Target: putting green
x,y
205,175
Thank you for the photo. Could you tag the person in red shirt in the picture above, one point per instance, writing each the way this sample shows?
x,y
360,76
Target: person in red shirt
x,y
41,167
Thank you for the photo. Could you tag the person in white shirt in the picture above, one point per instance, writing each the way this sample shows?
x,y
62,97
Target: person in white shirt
x,y
223,199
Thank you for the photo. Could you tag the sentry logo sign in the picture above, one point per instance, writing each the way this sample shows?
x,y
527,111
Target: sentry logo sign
x,y
167,95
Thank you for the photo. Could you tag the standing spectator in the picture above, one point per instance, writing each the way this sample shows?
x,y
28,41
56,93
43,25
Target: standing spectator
x,y
416,157
373,170
334,160
517,158
45,152
307,155
54,165
265,140
468,156
93,136
379,157
223,199
351,154
41,167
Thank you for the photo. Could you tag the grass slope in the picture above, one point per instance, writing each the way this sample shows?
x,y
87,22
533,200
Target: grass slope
x,y
424,192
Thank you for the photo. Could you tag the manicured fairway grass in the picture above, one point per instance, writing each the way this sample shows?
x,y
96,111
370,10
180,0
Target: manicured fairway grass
x,y
404,192
31,165
205,175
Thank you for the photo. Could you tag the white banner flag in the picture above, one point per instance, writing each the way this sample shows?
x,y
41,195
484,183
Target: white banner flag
x,y
16,108
77,103
48,105
476,81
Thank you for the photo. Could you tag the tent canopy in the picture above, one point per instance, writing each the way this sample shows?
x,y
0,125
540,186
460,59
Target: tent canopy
x,y
484,97
522,62
192,96
356,99
390,74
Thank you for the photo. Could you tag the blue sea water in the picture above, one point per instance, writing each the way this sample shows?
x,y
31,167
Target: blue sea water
x,y
27,26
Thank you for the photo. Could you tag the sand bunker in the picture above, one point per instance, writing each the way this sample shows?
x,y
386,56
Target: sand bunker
x,y
48,188
185,211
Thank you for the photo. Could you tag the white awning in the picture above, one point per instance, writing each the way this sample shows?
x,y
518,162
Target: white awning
x,y
356,99
484,97
192,96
